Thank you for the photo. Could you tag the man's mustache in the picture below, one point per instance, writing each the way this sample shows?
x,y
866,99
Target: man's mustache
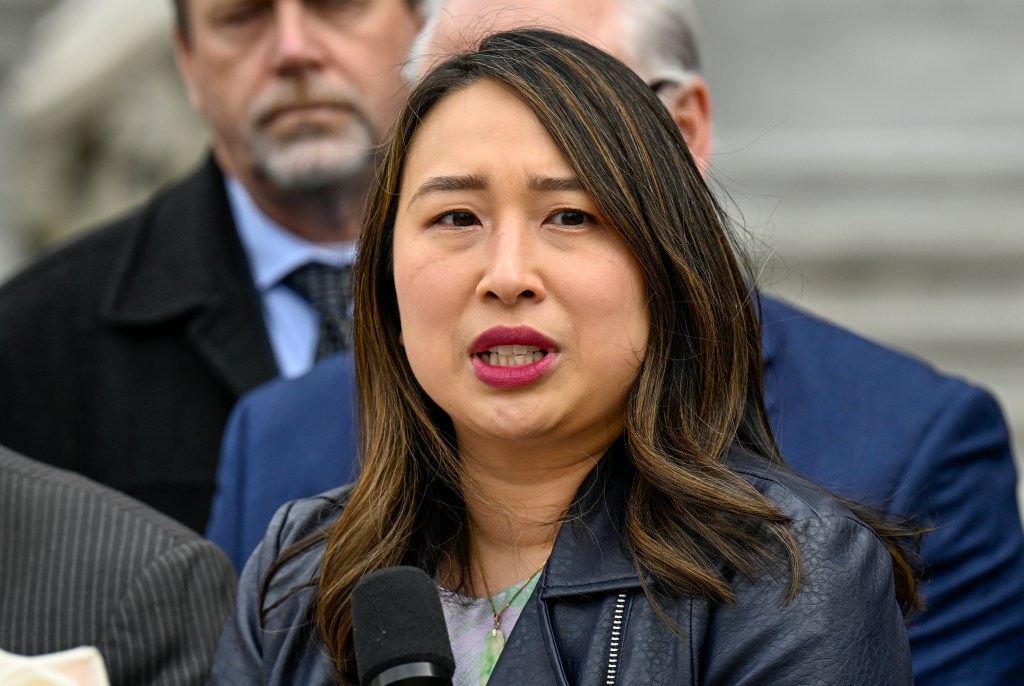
x,y
287,96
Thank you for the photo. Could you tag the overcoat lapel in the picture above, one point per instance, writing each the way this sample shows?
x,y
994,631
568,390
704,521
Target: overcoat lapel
x,y
187,269
234,345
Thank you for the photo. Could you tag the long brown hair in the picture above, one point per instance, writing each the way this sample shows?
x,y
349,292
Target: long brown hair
x,y
699,390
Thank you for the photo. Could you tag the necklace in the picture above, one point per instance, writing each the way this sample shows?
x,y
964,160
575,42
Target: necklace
x,y
494,641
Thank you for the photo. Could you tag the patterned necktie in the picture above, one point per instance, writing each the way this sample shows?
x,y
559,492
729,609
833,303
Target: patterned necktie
x,y
329,290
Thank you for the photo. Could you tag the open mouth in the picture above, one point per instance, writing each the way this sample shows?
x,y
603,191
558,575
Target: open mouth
x,y
512,355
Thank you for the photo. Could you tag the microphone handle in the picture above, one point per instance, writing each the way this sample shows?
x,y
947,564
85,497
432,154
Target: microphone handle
x,y
412,674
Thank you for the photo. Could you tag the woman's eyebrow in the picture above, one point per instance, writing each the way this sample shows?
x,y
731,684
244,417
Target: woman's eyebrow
x,y
435,184
476,182
548,183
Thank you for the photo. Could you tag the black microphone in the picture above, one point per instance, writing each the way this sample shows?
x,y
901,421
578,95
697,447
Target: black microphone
x,y
398,630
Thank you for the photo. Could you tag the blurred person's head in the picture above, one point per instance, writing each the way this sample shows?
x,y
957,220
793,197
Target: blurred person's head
x,y
656,38
297,93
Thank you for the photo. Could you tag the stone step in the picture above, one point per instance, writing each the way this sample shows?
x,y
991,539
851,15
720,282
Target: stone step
x,y
956,319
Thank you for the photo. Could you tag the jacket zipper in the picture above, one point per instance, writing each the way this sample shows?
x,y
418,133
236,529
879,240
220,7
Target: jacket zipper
x,y
616,642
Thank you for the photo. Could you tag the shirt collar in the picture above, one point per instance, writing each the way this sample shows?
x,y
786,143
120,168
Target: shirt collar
x,y
274,251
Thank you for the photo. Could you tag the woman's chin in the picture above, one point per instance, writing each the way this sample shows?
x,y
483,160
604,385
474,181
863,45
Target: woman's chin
x,y
506,423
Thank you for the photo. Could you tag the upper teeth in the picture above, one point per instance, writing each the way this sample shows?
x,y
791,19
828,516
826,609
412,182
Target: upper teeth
x,y
512,349
512,355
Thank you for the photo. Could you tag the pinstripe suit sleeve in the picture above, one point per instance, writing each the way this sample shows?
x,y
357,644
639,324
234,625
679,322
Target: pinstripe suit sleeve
x,y
81,564
164,630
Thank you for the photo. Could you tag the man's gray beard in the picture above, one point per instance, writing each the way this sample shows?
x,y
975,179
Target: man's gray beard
x,y
314,159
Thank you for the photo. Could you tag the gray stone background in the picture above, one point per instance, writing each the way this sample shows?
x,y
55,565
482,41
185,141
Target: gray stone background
x,y
875,150
872,149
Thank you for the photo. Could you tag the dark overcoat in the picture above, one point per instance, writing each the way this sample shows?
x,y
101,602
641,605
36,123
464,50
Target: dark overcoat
x,y
122,353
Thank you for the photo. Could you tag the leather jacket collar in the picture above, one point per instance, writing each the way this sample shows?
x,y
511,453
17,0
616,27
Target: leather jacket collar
x,y
583,571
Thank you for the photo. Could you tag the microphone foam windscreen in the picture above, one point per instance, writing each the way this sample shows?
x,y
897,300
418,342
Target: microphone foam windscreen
x,y
397,620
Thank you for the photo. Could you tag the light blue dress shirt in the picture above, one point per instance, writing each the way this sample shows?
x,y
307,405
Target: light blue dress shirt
x,y
274,253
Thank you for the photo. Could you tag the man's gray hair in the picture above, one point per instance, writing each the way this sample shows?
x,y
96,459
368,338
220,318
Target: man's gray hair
x,y
661,38
430,11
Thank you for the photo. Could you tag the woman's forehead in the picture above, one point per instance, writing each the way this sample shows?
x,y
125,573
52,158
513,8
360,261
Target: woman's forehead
x,y
482,130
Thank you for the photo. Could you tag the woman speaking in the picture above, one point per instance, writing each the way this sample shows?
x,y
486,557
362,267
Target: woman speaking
x,y
559,370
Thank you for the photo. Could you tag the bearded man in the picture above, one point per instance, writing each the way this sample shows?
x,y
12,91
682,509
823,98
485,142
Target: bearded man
x,y
124,352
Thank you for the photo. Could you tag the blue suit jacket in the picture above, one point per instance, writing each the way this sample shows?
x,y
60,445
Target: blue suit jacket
x,y
864,421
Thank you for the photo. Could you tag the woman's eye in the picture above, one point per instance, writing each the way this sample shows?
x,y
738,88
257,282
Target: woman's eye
x,y
570,218
458,219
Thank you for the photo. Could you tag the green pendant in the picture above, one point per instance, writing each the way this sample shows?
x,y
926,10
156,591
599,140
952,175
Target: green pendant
x,y
494,642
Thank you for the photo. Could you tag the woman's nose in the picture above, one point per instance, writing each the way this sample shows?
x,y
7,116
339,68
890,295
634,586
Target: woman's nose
x,y
512,270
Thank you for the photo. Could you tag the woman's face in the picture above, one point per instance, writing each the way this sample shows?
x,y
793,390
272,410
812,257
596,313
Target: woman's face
x,y
523,313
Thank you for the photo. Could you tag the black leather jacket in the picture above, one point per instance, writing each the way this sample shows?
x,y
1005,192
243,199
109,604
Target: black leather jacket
x,y
588,621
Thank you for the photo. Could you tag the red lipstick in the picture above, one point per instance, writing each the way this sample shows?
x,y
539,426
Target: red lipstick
x,y
509,357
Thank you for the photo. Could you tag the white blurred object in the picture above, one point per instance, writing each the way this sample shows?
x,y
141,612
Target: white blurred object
x,y
76,667
98,115
80,44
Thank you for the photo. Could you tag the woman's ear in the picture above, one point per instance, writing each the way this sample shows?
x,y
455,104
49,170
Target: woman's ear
x,y
690,107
